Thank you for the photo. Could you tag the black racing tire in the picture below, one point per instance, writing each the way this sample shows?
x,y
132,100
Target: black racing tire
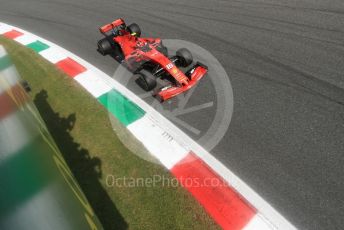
x,y
184,57
146,80
104,46
134,28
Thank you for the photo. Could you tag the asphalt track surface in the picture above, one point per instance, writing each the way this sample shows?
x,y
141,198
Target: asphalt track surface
x,y
285,60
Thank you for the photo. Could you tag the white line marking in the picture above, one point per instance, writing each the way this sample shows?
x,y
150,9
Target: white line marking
x,y
4,28
92,83
26,39
2,52
53,54
258,223
8,78
16,130
162,146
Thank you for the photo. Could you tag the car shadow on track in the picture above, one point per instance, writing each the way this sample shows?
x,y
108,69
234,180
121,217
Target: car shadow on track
x,y
86,169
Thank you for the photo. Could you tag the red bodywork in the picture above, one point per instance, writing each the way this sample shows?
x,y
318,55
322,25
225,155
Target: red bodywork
x,y
139,50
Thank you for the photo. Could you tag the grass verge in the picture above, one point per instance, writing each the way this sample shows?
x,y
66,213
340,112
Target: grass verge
x,y
81,128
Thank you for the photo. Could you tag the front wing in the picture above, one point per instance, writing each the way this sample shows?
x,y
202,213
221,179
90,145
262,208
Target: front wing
x,y
195,74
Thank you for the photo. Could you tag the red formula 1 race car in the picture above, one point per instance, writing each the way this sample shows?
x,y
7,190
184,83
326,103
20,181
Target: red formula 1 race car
x,y
148,59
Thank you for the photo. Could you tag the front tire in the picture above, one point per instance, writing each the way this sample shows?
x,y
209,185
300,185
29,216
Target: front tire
x,y
146,80
184,57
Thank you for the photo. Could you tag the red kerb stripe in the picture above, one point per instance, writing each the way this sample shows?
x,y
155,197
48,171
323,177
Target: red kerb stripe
x,y
219,199
70,67
13,34
11,99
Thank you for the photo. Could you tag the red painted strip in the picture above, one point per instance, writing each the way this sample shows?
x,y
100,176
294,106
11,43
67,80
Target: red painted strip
x,y
7,105
11,100
223,203
13,34
70,67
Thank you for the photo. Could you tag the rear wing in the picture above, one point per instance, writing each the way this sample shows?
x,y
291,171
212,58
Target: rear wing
x,y
106,28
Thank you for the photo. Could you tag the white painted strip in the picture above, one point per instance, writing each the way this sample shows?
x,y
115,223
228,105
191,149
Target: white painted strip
x,y
26,39
258,223
16,131
5,28
8,78
10,75
2,51
92,83
53,54
157,142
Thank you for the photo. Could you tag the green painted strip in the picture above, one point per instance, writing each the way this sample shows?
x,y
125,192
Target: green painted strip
x,y
5,62
121,107
38,46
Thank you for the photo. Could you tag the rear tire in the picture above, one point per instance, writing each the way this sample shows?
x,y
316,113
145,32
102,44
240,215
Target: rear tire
x,y
184,57
146,80
134,28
